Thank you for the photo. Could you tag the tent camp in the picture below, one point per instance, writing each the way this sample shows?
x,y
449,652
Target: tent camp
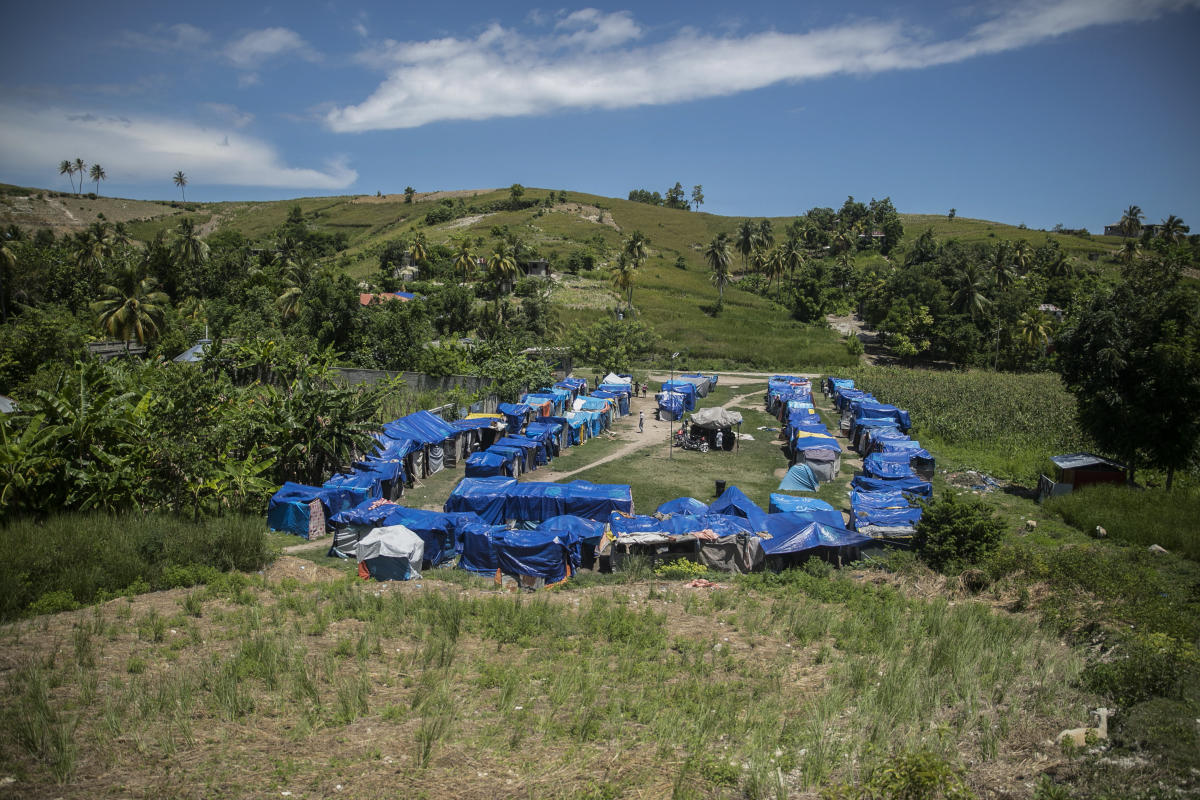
x,y
793,535
914,486
299,509
825,464
390,553
812,508
478,554
799,478
707,422
534,558
683,505
670,405
487,463
687,390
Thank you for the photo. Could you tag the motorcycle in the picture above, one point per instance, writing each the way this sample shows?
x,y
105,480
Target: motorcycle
x,y
685,442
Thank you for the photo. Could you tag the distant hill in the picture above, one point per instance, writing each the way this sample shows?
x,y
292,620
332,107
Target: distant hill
x,y
750,331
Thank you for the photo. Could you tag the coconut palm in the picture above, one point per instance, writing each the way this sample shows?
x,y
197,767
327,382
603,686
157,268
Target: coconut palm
x,y
999,264
793,255
1034,329
419,250
1131,221
969,297
187,248
464,259
1173,229
766,235
747,238
718,257
1129,252
776,264
93,247
635,247
502,265
624,274
81,169
1022,256
67,168
181,181
131,309
97,174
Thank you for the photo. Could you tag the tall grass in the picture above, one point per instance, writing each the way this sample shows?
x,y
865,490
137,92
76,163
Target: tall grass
x,y
78,558
1152,516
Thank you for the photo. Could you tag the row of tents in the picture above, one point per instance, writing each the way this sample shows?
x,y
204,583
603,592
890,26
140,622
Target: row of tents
x,y
678,396
884,499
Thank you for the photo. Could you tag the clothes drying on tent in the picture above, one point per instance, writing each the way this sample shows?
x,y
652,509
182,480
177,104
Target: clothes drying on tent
x,y
799,478
391,553
683,505
299,509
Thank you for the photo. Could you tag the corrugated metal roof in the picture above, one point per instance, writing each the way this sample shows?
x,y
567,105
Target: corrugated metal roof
x,y
1080,460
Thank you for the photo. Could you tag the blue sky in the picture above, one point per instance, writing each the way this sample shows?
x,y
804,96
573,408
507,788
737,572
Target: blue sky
x,y
1034,111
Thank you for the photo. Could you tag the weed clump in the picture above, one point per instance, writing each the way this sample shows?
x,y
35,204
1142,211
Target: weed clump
x,y
954,533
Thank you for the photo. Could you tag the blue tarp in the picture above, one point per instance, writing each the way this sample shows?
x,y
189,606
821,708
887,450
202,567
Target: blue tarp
x,y
527,446
622,525
819,439
288,509
819,510
734,502
380,469
478,552
473,424
499,499
799,478
879,499
914,486
486,464
790,534
438,530
720,524
866,408
671,401
420,426
878,465
514,416
683,505
542,554
587,531
620,400
346,490
686,389
862,517
594,420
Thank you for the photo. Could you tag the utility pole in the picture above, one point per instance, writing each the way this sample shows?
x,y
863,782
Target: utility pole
x,y
671,427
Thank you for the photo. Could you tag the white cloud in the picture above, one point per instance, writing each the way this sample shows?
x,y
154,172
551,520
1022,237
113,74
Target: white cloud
x,y
590,61
253,48
230,113
166,38
136,149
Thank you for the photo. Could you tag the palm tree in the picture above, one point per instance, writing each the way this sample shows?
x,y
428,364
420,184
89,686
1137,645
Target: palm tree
x,y
1000,267
181,181
1034,329
775,265
188,249
133,308
67,168
766,236
81,168
1131,221
635,247
8,263
718,257
624,273
794,255
97,174
1173,229
293,273
464,259
1022,256
93,246
758,259
1129,252
418,250
747,236
502,265
969,297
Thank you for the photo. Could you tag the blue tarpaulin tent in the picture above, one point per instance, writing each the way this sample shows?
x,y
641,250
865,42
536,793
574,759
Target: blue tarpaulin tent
x,y
799,478
794,535
817,510
478,552
683,505
683,388
548,555
720,524
914,486
438,530
499,499
346,490
487,463
879,465
483,496
515,416
622,525
290,511
391,553
587,531
735,503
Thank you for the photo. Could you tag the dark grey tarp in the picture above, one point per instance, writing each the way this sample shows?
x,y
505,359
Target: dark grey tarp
x,y
740,553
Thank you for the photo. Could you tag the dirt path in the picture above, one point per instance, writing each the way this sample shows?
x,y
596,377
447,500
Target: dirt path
x,y
656,431
853,324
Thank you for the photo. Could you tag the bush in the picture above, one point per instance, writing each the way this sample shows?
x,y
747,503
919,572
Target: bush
x,y
1152,665
955,532
921,774
681,569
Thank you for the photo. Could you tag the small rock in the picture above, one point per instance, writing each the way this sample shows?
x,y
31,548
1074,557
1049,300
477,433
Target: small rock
x,y
1156,549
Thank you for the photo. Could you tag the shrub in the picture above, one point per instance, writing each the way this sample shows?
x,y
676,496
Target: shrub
x,y
954,532
920,774
682,569
1152,665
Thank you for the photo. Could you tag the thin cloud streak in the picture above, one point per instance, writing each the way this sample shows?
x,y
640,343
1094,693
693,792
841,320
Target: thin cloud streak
x,y
590,61
134,148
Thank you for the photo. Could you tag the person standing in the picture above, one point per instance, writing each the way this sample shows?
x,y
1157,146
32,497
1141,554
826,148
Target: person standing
x,y
641,422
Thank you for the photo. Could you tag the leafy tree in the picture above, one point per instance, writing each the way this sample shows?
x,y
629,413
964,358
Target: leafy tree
x,y
624,273
132,308
952,214
645,196
1131,357
612,345
697,196
511,371
675,197
516,192
97,174
409,193
180,180
955,532
852,213
392,335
